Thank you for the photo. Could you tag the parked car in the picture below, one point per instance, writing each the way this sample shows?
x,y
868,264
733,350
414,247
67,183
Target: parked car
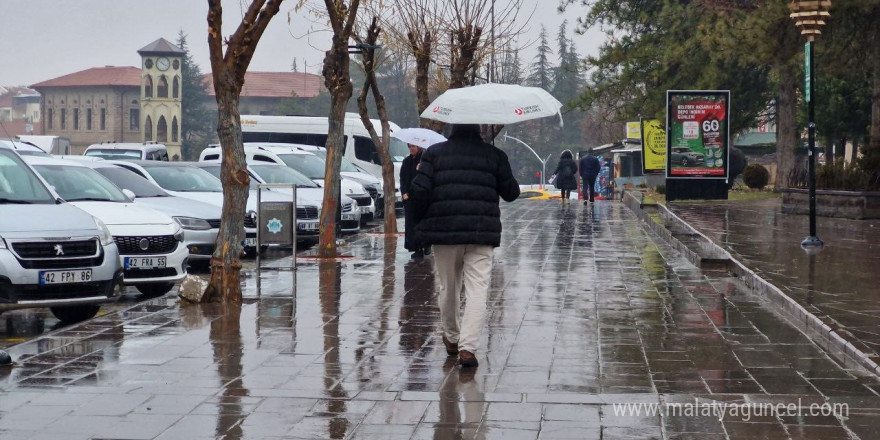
x,y
183,179
200,221
685,157
304,162
309,195
150,243
52,254
128,150
24,148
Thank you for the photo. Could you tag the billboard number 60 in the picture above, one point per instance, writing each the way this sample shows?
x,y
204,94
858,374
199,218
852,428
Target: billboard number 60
x,y
712,125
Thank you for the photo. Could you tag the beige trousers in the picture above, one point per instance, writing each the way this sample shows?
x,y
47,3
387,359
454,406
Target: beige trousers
x,y
470,265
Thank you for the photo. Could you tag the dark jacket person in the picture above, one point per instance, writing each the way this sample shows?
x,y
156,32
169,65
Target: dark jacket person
x,y
566,175
410,209
461,180
589,170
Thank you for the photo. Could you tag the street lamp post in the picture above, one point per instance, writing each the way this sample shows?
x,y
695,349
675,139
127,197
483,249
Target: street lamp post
x,y
543,161
809,16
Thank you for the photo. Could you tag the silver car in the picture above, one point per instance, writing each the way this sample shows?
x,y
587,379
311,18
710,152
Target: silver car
x,y
52,254
200,221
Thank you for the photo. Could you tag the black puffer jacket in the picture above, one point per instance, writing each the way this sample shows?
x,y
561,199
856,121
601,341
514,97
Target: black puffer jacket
x,y
566,172
460,180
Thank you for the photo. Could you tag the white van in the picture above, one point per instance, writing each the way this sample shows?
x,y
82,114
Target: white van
x,y
55,145
128,151
312,130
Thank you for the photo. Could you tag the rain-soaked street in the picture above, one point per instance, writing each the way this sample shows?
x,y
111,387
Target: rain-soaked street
x,y
596,329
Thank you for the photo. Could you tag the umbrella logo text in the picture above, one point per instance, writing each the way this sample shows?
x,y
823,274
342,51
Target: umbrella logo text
x,y
518,111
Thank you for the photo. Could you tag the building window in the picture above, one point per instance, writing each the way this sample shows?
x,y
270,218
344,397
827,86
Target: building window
x,y
49,120
134,119
148,129
89,119
103,119
76,119
148,86
63,119
174,128
162,130
176,88
162,87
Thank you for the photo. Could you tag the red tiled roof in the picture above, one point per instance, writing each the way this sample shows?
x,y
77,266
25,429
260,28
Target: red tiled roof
x,y
97,76
12,92
275,84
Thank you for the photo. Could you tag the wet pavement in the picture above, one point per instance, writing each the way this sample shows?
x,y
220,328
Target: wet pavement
x,y
594,324
838,284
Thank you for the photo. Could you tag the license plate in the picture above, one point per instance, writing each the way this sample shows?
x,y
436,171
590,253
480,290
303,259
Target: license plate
x,y
348,217
309,226
65,276
144,262
250,242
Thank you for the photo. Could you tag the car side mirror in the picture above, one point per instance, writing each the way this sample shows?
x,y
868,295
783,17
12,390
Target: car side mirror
x,y
129,193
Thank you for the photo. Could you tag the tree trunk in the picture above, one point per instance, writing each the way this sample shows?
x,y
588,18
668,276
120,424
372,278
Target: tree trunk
x,y
225,283
421,49
787,139
338,82
228,73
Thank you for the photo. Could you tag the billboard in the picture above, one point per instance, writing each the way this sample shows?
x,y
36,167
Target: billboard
x,y
653,146
697,133
632,130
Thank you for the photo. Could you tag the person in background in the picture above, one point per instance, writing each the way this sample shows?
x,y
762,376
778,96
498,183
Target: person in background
x,y
461,180
410,210
589,170
566,176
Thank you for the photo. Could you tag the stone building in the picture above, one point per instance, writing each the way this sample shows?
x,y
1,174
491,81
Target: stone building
x,y
131,104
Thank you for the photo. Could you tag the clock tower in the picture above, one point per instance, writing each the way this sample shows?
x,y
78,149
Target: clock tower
x,y
161,95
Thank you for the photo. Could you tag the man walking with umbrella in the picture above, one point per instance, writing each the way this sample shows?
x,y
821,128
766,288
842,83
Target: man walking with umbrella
x,y
460,181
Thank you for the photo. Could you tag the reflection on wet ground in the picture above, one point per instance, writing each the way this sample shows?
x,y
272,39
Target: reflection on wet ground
x,y
587,311
839,284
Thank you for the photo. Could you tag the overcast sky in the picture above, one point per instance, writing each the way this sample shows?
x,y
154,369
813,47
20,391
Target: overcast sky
x,y
45,39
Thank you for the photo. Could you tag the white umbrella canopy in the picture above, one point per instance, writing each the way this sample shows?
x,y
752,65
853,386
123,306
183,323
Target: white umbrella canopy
x,y
498,104
421,137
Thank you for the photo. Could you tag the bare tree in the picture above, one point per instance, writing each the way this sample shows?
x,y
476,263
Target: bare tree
x,y
228,71
342,20
368,57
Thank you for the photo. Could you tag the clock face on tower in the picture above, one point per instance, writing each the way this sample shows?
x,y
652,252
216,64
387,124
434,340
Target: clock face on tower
x,y
163,63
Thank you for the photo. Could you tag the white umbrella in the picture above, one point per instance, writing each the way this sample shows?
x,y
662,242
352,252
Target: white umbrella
x,y
421,137
499,104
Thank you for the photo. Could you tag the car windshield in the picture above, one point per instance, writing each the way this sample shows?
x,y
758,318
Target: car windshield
x,y
215,171
112,153
76,183
346,166
398,149
282,174
132,181
184,178
18,184
309,164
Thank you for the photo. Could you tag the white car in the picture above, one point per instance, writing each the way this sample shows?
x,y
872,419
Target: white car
x,y
149,242
309,195
52,254
200,221
304,162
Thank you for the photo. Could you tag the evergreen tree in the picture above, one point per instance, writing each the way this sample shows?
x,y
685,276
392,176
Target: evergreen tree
x,y
197,121
541,71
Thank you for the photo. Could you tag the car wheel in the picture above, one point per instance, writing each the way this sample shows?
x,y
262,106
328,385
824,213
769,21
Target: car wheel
x,y
684,162
154,289
75,313
200,265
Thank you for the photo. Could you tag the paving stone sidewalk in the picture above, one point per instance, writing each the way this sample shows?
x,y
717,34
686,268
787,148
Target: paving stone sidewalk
x,y
590,316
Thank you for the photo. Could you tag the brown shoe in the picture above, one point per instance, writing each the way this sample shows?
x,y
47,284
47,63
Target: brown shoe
x,y
451,347
467,359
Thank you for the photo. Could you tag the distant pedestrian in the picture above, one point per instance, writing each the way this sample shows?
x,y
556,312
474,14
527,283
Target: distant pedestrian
x,y
461,180
589,170
566,176
410,210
